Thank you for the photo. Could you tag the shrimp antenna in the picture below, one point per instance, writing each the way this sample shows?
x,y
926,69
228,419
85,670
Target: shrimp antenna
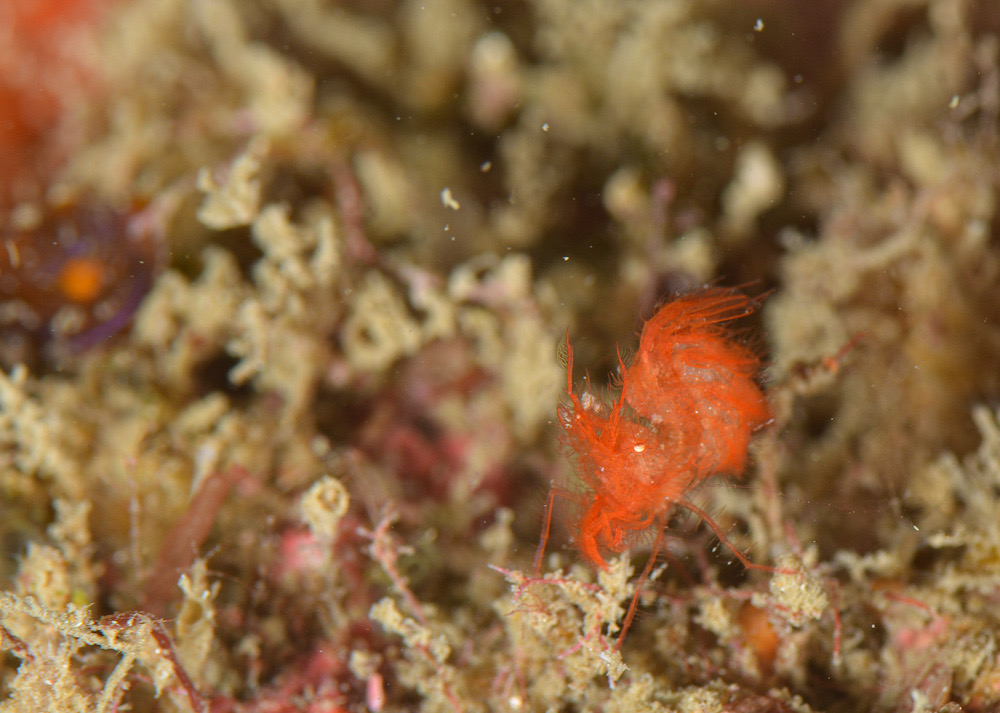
x,y
744,560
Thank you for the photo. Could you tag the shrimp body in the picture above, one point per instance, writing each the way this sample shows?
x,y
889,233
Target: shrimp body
x,y
687,409
690,377
629,471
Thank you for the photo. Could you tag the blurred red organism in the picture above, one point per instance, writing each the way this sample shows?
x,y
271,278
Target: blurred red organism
x,y
48,65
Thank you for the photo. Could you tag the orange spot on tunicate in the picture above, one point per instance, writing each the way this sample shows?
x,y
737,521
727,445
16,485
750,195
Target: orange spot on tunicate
x,y
81,279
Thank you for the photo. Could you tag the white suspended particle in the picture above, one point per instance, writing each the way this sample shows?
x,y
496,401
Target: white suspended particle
x,y
448,200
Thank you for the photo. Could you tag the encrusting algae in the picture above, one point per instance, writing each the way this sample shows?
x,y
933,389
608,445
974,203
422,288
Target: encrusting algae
x,y
282,288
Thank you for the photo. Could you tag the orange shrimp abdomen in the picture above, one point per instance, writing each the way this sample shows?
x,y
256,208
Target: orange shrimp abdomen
x,y
690,374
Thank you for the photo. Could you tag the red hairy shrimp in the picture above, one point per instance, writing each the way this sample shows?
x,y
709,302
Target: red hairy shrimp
x,y
688,407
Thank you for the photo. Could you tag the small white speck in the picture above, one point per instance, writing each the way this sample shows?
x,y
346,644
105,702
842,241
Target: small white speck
x,y
639,447
759,25
953,104
485,166
13,255
565,258
545,126
448,200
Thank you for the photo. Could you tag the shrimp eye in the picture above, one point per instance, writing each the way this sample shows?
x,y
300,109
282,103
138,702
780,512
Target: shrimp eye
x,y
81,279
